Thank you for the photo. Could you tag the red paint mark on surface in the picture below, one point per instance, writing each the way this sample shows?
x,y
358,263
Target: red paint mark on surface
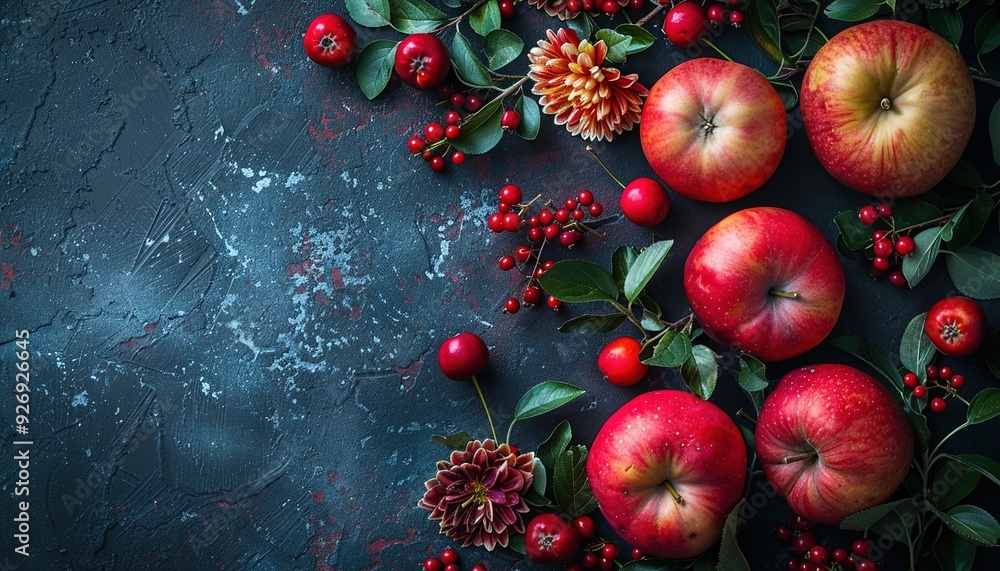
x,y
150,327
337,278
409,374
355,312
8,271
321,297
375,547
318,496
332,476
323,545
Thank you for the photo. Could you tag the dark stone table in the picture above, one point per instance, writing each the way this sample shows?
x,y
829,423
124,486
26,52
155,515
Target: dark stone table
x,y
236,278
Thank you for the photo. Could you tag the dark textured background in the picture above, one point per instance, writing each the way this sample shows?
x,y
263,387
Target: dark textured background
x,y
236,280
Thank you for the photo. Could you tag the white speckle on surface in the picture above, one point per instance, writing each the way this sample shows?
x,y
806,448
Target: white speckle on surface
x,y
80,400
262,184
294,179
220,132
247,172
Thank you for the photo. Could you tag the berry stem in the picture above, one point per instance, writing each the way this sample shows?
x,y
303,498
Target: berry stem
x,y
580,226
642,21
709,43
455,21
604,166
746,416
489,417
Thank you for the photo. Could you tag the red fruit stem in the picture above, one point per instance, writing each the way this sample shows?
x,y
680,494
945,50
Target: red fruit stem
x,y
673,491
783,293
489,417
604,166
651,14
799,457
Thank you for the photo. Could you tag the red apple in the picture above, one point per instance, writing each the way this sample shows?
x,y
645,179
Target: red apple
x,y
666,469
766,282
833,441
888,107
713,130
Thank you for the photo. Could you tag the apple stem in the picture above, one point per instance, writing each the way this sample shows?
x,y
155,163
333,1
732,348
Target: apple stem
x,y
783,293
604,166
885,103
489,418
673,492
799,457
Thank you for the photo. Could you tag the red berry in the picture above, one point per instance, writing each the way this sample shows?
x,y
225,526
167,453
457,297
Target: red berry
x,y
553,303
868,215
457,99
570,237
839,555
644,201
452,567
437,164
449,555
884,209
507,8
880,264
866,565
473,103
609,551
416,145
932,372
427,155
590,560
510,120
452,132
551,231
611,7
495,222
595,209
434,132
585,525
511,222
882,248
637,554
783,532
562,215
433,564
522,253
444,91
905,245
920,392
452,118
510,194
818,554
330,41
938,404
574,6
736,18
512,305
545,216
458,157
477,568
532,295
910,380
957,381
637,4
619,361
803,542
800,523
506,263
716,13
588,5
878,235
684,24
607,564
463,356
897,278
860,547
570,204
535,234
503,207
585,198
547,264
577,214
944,372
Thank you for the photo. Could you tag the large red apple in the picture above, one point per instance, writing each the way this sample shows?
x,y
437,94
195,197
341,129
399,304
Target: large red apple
x,y
765,281
666,469
888,107
713,130
833,441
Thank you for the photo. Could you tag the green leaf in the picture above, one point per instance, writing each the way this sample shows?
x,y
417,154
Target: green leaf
x,y
481,131
912,211
651,565
856,235
486,19
572,491
972,524
516,544
866,519
971,224
954,553
953,483
369,13
456,441
576,281
640,38
992,353
545,397
965,174
975,272
374,67
921,432
852,10
915,349
540,477
984,465
751,376
531,118
762,22
730,556
701,371
592,323
502,47
672,350
802,44
946,23
554,445
987,34
918,264
616,43
873,356
413,16
789,95
995,131
984,406
621,263
748,436
468,66
644,267
580,24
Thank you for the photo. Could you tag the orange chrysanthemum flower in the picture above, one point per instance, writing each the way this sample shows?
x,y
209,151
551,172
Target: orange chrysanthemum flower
x,y
594,102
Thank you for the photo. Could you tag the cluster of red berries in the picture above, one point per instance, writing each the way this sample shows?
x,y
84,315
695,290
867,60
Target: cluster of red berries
x,y
608,7
938,378
563,225
436,136
813,556
888,247
596,553
447,560
721,13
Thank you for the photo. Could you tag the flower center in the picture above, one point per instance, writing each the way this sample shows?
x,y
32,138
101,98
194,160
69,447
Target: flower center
x,y
478,495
